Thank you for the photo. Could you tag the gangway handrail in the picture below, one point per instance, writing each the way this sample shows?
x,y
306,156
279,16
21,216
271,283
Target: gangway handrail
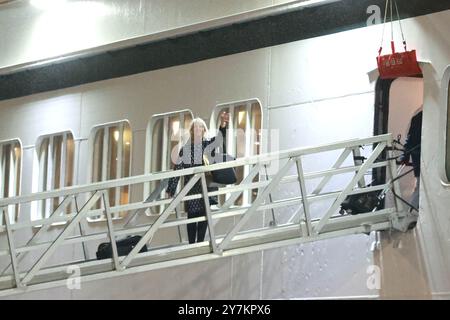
x,y
309,227
180,222
146,205
91,187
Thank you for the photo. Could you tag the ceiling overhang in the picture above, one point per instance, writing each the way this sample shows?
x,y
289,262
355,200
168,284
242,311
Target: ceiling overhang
x,y
277,28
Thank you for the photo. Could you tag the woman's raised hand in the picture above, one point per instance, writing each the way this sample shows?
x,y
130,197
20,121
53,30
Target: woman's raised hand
x,y
224,118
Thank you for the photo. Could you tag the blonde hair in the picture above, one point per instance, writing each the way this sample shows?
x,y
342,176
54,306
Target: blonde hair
x,y
198,121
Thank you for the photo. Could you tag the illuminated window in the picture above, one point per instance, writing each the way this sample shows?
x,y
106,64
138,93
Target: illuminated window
x,y
110,147
53,169
243,137
447,158
164,133
10,167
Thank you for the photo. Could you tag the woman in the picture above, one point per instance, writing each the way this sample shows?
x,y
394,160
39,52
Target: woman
x,y
191,155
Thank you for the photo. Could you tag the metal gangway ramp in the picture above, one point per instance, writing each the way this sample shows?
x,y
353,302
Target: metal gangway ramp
x,y
26,264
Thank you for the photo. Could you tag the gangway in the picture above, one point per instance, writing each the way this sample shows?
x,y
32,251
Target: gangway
x,y
27,267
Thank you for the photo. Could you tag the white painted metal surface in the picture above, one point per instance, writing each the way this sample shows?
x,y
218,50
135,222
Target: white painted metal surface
x,y
56,34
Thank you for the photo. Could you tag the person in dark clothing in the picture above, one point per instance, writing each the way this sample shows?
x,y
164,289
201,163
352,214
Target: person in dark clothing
x,y
192,155
412,152
412,145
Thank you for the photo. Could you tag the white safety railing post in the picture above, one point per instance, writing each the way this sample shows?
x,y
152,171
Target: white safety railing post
x,y
112,236
12,249
212,236
380,147
393,172
344,155
62,206
274,220
339,162
234,195
82,228
178,216
258,201
304,194
358,160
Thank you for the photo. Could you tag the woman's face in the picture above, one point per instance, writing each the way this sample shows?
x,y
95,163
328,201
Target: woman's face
x,y
198,131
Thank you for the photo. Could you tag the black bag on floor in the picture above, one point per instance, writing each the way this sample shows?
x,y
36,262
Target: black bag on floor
x,y
360,203
124,247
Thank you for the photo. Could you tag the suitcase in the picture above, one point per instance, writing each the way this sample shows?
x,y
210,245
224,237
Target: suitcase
x,y
124,247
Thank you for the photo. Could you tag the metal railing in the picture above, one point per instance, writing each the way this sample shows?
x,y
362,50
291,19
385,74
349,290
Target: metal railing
x,y
236,240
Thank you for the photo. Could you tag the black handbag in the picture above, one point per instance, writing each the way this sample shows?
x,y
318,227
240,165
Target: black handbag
x,y
223,176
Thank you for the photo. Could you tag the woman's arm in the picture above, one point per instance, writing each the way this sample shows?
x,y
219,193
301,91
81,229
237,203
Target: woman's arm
x,y
220,135
222,132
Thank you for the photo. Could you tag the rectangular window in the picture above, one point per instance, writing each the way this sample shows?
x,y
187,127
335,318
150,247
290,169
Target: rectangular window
x,y
447,158
10,169
243,138
164,134
111,159
54,169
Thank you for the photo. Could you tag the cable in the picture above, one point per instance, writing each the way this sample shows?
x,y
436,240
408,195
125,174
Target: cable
x,y
384,27
400,22
402,175
404,201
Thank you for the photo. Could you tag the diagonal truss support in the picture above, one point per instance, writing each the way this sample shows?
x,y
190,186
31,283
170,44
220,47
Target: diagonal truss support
x,y
69,228
259,200
360,174
166,213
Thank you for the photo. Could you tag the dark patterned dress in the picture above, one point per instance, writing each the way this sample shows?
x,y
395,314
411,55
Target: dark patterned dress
x,y
194,158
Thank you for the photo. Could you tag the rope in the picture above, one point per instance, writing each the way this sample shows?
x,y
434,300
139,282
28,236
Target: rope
x,y
404,151
392,24
400,23
402,175
404,201
384,26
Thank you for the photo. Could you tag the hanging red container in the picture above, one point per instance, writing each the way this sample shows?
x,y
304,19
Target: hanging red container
x,y
397,64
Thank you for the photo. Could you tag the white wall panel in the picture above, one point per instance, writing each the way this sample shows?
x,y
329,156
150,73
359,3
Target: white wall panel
x,y
246,276
329,268
186,282
337,65
61,293
198,86
324,67
29,33
324,122
434,202
30,117
163,15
